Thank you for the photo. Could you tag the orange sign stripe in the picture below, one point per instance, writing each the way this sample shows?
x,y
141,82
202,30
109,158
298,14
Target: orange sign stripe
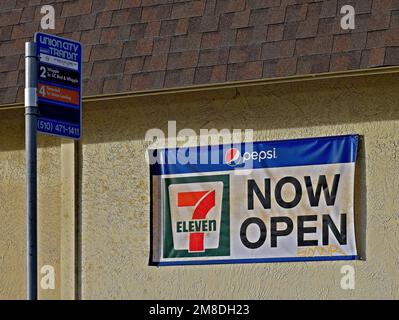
x,y
58,94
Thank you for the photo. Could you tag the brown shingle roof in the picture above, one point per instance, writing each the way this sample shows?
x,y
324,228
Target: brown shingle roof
x,y
135,45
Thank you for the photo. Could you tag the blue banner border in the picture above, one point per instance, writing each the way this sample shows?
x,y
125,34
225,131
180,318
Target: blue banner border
x,y
260,260
298,155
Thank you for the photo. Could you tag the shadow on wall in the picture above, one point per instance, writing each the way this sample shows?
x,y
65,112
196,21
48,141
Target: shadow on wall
x,y
361,200
12,132
309,104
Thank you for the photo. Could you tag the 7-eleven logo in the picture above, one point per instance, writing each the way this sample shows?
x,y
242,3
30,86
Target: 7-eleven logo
x,y
202,202
196,215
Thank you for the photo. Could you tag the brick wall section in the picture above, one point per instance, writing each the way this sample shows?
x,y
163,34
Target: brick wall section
x,y
132,45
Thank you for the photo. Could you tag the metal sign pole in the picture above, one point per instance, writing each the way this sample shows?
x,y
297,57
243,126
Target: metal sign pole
x,y
31,167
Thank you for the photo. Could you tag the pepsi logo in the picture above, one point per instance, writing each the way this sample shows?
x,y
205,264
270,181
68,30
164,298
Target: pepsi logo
x,y
232,157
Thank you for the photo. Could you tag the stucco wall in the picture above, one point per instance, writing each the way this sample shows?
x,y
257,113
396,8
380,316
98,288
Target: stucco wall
x,y
113,199
12,206
114,187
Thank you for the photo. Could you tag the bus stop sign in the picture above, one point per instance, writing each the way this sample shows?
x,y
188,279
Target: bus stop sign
x,y
59,86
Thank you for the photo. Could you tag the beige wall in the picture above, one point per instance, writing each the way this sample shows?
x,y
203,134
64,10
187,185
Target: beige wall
x,y
51,227
113,185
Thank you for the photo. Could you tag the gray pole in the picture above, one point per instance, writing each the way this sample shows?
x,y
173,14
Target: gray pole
x,y
31,168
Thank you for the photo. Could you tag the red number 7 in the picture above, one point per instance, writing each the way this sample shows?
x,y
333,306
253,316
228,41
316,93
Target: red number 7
x,y
203,201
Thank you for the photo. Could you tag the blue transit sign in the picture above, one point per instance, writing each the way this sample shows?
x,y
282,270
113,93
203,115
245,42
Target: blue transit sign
x,y
59,87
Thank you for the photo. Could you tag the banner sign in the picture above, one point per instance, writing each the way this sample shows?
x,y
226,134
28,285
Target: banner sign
x,y
289,200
